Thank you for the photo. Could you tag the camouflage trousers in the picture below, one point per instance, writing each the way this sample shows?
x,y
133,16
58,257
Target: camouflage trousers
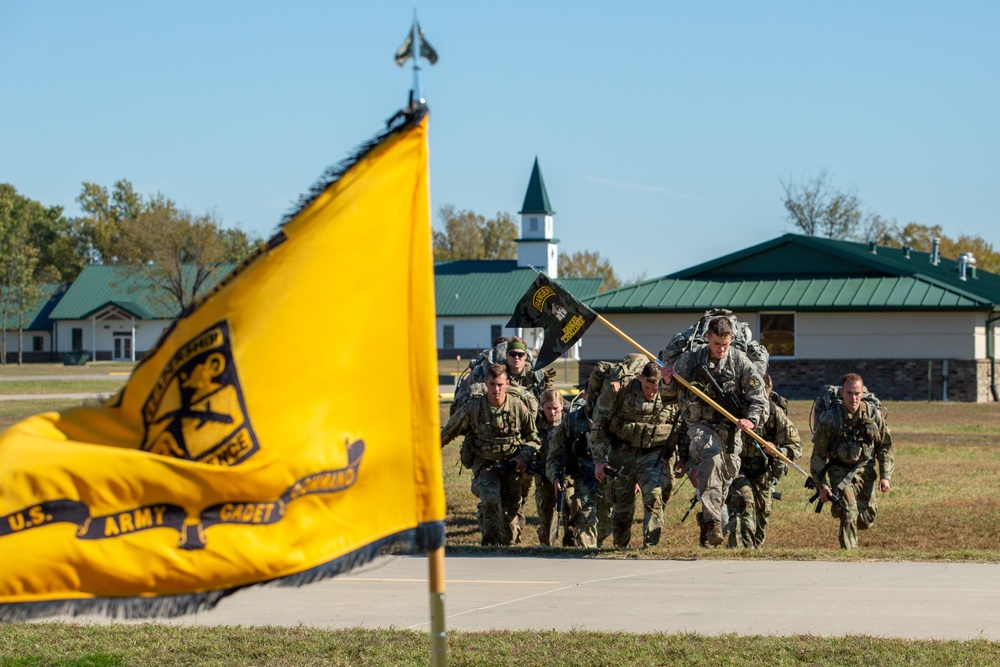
x,y
545,503
859,496
749,503
499,496
715,466
579,520
645,468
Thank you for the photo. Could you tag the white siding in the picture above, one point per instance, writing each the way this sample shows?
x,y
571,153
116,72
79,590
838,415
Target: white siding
x,y
26,341
652,331
472,332
147,332
542,256
943,335
887,335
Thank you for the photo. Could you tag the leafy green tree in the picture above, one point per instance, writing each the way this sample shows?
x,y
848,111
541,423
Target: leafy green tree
x,y
102,233
48,231
180,253
587,264
18,260
468,235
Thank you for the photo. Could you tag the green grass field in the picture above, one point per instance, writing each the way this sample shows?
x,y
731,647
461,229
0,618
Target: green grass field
x,y
942,506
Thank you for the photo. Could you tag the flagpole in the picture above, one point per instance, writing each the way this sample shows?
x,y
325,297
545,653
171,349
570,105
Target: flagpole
x,y
774,451
439,637
418,94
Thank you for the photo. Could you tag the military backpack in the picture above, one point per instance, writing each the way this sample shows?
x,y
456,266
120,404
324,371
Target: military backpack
x,y
830,401
470,382
615,374
696,337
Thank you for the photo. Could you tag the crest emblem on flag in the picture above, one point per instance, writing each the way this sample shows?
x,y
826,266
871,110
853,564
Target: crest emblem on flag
x,y
195,410
563,318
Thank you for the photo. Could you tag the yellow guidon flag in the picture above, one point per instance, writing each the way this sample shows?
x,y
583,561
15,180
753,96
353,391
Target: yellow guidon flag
x,y
284,428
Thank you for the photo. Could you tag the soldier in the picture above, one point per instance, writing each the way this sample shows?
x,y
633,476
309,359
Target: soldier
x,y
545,496
715,443
532,385
849,439
750,496
569,465
521,374
498,429
630,433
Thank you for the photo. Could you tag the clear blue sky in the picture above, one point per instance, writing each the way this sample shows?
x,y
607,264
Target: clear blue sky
x,y
663,129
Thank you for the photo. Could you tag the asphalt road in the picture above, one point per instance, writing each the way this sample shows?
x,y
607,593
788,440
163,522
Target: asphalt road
x,y
908,600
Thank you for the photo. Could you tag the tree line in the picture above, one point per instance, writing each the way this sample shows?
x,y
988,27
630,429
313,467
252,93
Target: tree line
x,y
818,208
469,235
171,249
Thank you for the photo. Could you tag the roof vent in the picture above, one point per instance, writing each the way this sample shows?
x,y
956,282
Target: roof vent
x,y
906,251
935,251
966,261
872,247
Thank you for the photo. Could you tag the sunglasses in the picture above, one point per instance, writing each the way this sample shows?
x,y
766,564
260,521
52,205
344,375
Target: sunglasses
x,y
515,354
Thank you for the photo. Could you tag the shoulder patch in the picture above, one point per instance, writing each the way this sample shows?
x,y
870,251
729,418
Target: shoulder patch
x,y
755,382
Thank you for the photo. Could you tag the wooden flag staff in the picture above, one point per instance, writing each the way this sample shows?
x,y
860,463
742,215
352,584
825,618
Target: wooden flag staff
x,y
771,449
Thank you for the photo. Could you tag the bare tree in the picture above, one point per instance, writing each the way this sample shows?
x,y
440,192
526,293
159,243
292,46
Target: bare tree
x,y
816,208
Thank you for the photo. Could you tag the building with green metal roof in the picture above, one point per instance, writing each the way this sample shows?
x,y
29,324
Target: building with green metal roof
x,y
914,324
115,312
475,299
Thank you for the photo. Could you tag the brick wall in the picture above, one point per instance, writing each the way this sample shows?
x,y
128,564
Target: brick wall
x,y
968,380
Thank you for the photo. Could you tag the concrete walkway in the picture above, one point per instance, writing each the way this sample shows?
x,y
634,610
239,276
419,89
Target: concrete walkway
x,y
39,397
908,600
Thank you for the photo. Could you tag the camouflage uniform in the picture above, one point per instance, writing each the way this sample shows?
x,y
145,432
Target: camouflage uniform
x,y
750,494
530,385
580,490
846,448
494,435
715,443
545,495
631,434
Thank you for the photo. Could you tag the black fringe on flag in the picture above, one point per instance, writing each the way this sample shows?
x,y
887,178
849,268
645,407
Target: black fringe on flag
x,y
402,119
424,538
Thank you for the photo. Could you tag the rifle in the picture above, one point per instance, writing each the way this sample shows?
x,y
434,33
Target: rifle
x,y
561,503
727,399
836,499
534,468
670,438
694,501
590,477
728,414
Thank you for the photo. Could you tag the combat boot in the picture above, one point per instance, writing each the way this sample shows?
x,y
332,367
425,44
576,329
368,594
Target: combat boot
x,y
703,527
714,531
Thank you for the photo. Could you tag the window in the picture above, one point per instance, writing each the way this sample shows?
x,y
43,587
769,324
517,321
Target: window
x,y
449,337
37,343
777,333
77,339
496,330
533,224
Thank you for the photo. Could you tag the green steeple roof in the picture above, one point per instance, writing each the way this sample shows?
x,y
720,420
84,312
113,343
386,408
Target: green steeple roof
x,y
536,199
